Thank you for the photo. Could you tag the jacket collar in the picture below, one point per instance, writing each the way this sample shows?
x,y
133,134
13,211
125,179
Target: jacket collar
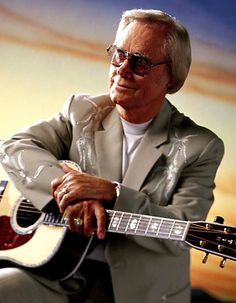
x,y
149,151
108,142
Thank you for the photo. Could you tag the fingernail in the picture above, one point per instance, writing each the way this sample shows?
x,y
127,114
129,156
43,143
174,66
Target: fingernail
x,y
101,235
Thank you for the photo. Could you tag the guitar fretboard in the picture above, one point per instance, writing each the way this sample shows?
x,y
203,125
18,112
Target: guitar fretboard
x,y
143,225
135,224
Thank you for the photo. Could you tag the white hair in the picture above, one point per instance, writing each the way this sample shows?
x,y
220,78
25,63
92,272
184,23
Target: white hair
x,y
177,44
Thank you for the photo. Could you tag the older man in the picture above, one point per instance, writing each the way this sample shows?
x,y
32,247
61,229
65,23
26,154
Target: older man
x,y
137,154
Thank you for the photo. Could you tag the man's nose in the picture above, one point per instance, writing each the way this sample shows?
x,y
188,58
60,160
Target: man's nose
x,y
124,70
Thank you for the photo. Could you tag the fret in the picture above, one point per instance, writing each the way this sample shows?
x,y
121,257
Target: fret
x,y
172,229
172,226
124,224
53,219
159,228
47,218
117,228
109,212
164,229
153,227
179,230
137,229
115,221
149,221
127,225
133,224
138,224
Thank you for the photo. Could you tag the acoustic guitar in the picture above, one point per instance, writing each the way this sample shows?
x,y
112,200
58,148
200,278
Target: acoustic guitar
x,y
42,243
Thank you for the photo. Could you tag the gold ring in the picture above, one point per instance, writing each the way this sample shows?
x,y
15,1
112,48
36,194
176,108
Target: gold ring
x,y
65,191
78,221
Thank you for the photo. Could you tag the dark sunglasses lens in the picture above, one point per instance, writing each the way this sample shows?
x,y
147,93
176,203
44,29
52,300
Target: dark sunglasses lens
x,y
139,65
116,55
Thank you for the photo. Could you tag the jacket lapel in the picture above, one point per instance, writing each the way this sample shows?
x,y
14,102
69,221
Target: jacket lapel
x,y
108,142
148,152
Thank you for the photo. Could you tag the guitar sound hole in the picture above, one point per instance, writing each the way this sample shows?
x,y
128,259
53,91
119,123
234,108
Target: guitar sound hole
x,y
27,214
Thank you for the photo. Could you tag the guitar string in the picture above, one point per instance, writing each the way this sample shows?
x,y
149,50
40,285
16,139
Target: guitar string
x,y
201,229
143,222
216,244
25,207
166,223
142,228
197,227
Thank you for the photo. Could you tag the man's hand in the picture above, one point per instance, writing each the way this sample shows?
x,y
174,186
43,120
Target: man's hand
x,y
76,186
87,212
81,198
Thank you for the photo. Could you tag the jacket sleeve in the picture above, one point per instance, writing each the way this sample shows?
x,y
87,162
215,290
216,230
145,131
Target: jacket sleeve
x,y
190,200
31,156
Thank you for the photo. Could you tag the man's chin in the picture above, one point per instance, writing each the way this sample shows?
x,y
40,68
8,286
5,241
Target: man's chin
x,y
120,99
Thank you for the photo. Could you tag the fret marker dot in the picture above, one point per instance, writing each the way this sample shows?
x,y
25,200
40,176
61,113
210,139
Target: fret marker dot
x,y
178,230
115,222
133,224
154,226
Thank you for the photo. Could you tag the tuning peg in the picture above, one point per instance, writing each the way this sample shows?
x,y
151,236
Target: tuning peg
x,y
222,263
218,219
204,259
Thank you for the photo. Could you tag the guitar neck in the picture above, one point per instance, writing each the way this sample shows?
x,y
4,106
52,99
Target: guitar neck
x,y
144,225
135,224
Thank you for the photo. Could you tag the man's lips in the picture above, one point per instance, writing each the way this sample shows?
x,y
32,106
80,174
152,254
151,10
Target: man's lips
x,y
122,85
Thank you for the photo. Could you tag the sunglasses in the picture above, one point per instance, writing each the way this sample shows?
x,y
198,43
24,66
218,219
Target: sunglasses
x,y
139,64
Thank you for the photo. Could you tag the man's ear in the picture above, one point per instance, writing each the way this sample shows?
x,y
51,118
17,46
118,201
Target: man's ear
x,y
170,85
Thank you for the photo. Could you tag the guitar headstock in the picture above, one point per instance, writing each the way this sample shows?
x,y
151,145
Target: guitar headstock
x,y
213,238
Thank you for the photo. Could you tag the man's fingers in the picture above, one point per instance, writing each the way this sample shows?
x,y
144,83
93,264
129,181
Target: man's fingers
x,y
88,218
94,213
66,168
74,216
54,186
100,215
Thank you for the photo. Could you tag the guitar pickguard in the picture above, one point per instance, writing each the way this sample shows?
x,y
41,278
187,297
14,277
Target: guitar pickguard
x,y
9,239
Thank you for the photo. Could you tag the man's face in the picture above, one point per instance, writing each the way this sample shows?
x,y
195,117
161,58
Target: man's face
x,y
138,98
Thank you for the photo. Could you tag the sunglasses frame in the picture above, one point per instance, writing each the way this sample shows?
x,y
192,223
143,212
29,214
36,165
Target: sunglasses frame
x,y
132,58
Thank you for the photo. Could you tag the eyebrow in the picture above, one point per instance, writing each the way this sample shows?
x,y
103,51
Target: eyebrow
x,y
134,53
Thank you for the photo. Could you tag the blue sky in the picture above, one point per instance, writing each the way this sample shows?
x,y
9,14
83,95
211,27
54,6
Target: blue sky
x,y
209,20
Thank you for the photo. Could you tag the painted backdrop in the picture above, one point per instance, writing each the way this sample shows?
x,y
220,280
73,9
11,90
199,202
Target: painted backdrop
x,y
51,49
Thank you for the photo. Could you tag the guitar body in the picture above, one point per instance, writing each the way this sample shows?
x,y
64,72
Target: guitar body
x,y
48,250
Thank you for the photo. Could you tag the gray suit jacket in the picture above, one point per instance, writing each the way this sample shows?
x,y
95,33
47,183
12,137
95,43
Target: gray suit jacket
x,y
172,175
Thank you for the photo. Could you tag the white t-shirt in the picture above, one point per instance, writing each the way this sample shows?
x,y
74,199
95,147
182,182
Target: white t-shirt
x,y
132,136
